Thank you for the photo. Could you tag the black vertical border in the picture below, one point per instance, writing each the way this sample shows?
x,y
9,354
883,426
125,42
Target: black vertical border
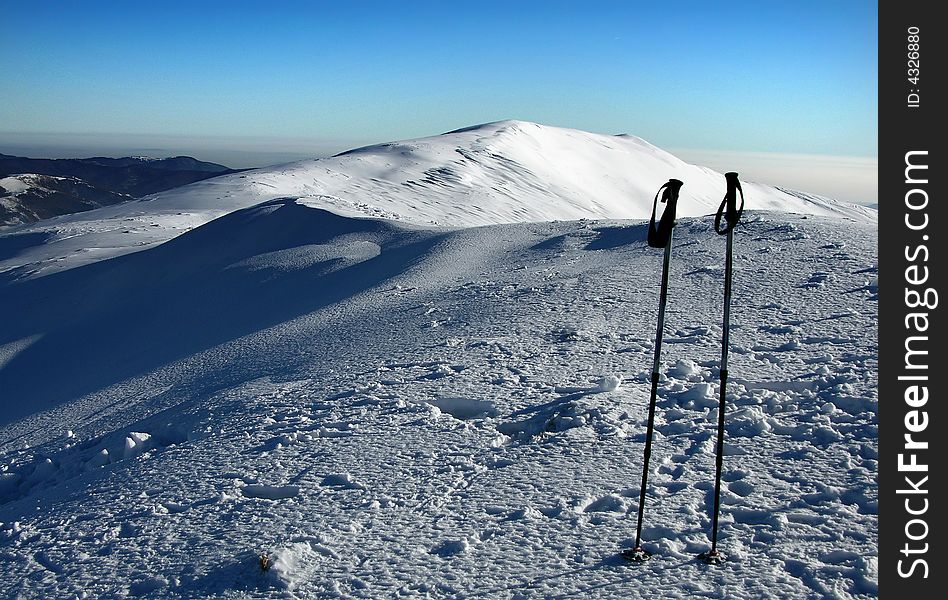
x,y
904,128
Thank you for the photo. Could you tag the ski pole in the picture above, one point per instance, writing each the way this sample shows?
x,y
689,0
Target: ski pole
x,y
658,237
731,214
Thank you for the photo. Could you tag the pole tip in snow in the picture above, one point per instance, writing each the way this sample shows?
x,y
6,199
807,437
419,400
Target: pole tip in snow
x,y
712,557
637,554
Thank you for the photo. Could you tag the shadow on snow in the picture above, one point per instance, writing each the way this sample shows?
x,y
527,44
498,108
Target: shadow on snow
x,y
100,324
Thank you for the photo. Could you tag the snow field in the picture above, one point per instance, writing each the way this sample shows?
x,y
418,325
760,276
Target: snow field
x,y
467,421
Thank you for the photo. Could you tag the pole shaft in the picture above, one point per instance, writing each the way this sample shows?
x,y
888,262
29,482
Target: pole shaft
x,y
661,304
719,459
654,391
647,456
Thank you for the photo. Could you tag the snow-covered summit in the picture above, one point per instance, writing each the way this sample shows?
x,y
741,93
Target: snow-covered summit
x,y
502,172
508,172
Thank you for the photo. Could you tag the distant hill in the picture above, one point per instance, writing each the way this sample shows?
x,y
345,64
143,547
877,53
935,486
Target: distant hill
x,y
502,172
31,197
32,189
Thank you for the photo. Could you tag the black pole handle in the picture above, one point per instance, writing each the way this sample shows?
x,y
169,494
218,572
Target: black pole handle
x,y
658,236
729,209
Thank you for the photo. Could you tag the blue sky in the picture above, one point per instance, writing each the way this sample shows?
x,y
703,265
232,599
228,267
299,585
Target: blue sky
x,y
751,77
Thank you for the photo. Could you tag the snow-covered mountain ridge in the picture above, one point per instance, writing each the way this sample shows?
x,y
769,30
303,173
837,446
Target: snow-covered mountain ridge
x,y
503,172
34,189
30,197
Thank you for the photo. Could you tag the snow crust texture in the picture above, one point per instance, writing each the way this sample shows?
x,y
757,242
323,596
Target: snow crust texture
x,y
387,409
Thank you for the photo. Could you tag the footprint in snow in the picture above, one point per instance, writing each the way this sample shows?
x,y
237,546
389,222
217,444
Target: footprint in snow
x,y
342,481
270,492
464,409
610,503
450,548
741,488
816,280
674,471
